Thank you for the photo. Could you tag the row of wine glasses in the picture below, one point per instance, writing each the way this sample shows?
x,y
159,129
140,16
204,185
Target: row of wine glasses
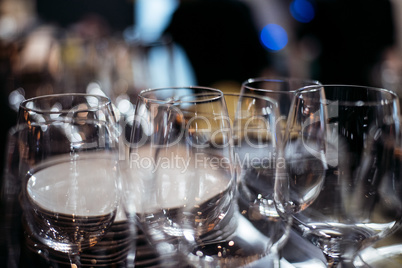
x,y
182,155
335,177
211,179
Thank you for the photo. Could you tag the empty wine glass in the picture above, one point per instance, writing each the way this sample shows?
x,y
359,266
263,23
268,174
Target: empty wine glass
x,y
182,160
68,168
70,193
256,184
256,142
342,179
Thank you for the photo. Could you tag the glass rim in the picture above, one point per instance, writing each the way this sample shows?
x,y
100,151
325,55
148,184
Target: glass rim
x,y
54,121
315,88
218,94
251,96
279,79
105,102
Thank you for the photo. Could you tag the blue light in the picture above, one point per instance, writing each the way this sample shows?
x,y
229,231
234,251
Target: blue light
x,y
152,17
302,10
274,37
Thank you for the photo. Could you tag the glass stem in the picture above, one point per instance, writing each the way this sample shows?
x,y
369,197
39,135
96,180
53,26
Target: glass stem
x,y
331,261
74,259
338,262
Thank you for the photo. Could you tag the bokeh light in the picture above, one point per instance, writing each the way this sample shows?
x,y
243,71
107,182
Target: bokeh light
x,y
274,37
302,10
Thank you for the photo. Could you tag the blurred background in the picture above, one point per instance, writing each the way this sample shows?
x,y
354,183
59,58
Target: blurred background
x,y
118,48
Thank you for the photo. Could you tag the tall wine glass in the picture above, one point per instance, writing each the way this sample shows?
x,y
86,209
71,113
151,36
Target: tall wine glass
x,y
69,171
257,140
342,181
255,190
181,158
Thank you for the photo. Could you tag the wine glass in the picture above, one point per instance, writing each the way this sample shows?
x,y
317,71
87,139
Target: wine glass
x,y
257,139
69,171
70,193
181,163
342,180
255,190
